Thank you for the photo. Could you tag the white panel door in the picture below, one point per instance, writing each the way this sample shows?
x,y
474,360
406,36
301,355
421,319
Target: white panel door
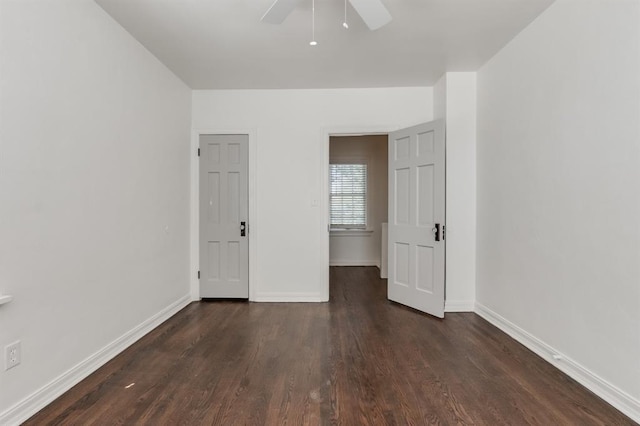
x,y
416,246
224,211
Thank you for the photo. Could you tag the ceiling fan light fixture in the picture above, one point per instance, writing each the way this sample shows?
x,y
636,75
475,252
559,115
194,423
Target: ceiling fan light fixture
x,y
373,12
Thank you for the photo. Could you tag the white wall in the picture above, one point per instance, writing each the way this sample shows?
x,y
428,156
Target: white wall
x,y
292,128
455,101
558,249
94,192
440,98
356,248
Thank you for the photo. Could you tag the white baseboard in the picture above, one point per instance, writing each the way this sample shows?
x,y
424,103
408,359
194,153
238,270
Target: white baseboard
x,y
289,297
619,399
459,306
49,392
354,263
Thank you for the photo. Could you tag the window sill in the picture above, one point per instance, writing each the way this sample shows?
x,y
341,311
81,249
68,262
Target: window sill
x,y
350,232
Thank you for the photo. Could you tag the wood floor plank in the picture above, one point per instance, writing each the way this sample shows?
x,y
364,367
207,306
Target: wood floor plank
x,y
357,360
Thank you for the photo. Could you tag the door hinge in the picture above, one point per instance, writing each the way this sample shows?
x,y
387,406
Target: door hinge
x,y
198,152
198,274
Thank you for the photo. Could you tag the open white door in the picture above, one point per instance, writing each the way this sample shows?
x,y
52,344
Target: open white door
x,y
417,217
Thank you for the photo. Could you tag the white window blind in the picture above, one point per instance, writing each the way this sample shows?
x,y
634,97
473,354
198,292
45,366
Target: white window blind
x,y
348,196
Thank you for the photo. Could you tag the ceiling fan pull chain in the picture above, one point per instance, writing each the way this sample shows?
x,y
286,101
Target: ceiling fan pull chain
x,y
313,41
344,24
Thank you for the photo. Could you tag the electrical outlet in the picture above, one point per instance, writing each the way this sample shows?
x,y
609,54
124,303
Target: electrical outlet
x,y
12,355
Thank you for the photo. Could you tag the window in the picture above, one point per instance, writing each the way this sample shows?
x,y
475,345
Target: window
x,y
348,197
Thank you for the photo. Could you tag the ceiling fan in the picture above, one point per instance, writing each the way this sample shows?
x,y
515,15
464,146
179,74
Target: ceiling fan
x,y
372,12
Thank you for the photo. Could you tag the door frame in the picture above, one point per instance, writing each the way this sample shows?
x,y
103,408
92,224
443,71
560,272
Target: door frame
x,y
327,133
194,229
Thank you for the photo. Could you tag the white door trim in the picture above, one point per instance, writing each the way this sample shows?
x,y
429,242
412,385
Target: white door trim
x,y
326,134
195,199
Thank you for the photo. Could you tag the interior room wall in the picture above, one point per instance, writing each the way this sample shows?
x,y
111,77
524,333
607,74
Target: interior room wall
x,y
94,194
455,102
558,248
353,248
292,253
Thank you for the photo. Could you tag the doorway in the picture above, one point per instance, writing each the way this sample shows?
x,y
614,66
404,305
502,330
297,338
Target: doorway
x,y
416,212
358,200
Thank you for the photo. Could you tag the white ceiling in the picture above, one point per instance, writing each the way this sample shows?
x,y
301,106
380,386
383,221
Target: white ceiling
x,y
221,44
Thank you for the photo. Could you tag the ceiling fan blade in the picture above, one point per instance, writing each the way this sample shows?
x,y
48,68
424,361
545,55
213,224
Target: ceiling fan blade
x,y
279,10
372,12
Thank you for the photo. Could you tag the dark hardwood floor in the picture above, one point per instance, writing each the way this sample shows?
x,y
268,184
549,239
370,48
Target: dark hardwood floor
x,y
357,360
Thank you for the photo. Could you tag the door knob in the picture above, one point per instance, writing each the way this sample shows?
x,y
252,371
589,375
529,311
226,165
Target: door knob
x,y
436,232
243,228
